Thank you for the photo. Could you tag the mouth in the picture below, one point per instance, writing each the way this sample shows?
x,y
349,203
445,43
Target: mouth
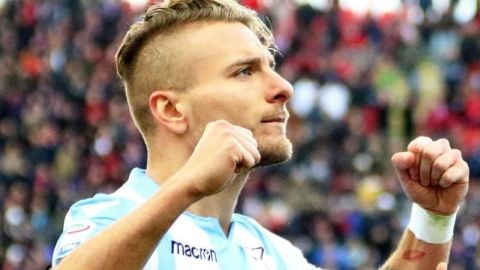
x,y
278,118
274,120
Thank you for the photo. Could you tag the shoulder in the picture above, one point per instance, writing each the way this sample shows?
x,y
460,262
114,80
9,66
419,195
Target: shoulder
x,y
101,206
86,218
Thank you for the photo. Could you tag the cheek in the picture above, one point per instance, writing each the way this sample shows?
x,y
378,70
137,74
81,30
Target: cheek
x,y
233,110
238,105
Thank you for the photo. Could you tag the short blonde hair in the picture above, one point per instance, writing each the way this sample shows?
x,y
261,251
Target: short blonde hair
x,y
160,22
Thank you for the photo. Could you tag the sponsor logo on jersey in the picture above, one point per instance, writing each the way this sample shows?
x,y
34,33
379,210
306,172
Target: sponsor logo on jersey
x,y
193,252
80,227
67,248
257,253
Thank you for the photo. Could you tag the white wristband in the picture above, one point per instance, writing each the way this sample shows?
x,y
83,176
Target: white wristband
x,y
430,227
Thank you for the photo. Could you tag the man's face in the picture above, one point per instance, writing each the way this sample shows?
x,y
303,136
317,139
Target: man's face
x,y
235,81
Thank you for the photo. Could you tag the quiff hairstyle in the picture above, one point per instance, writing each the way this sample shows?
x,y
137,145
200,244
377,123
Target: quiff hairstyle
x,y
144,69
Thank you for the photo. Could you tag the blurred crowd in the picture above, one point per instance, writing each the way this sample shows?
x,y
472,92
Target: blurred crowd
x,y
364,85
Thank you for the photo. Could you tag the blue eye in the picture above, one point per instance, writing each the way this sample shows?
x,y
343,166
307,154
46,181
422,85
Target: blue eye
x,y
247,71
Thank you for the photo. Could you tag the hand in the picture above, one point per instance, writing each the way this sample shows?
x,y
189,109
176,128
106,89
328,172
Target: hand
x,y
433,175
223,151
442,266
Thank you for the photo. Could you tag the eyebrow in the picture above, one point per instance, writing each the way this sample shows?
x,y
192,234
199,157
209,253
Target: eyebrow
x,y
256,60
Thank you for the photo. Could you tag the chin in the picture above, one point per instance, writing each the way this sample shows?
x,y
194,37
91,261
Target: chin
x,y
275,152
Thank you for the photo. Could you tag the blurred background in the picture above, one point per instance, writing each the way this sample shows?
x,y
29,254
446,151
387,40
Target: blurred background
x,y
368,76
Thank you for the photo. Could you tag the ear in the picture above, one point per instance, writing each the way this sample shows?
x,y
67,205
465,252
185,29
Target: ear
x,y
166,109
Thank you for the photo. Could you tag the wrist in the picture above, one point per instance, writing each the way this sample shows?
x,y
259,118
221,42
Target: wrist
x,y
184,185
431,227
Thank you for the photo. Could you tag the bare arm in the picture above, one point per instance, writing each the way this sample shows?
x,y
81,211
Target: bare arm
x,y
435,177
129,242
412,253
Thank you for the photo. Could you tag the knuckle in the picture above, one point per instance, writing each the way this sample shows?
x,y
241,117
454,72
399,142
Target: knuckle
x,y
441,164
227,133
210,125
221,123
443,142
448,177
419,143
215,125
245,129
456,152
231,145
231,141
431,152
235,153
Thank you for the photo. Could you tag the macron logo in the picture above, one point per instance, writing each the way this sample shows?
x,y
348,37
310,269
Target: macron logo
x,y
195,252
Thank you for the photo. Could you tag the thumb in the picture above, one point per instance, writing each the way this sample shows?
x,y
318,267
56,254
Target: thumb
x,y
442,266
403,160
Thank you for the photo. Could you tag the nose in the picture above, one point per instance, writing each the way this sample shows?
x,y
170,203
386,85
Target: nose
x,y
279,90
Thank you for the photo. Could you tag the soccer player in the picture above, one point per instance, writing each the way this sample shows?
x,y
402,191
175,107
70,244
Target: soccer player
x,y
201,86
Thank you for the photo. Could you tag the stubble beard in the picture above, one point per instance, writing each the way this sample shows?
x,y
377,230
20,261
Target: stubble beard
x,y
274,153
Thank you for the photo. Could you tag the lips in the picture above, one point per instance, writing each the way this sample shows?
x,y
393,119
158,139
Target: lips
x,y
276,118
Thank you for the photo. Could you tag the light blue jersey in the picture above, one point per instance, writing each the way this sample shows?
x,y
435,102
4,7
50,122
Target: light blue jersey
x,y
192,242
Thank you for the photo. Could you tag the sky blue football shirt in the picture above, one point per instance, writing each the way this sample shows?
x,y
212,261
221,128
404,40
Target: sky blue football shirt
x,y
192,242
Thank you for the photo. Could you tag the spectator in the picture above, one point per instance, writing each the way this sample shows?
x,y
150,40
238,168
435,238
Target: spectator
x,y
365,84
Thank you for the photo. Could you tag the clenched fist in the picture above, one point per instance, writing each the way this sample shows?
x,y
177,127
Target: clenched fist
x,y
223,151
433,175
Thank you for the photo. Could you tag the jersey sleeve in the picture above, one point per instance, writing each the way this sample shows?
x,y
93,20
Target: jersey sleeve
x,y
84,220
75,234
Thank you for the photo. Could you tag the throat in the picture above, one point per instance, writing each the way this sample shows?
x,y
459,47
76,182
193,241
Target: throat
x,y
221,205
206,208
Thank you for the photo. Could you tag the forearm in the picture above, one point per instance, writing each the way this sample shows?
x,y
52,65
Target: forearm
x,y
435,178
128,243
412,254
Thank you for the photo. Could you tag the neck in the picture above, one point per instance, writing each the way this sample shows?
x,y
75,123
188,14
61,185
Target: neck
x,y
220,206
